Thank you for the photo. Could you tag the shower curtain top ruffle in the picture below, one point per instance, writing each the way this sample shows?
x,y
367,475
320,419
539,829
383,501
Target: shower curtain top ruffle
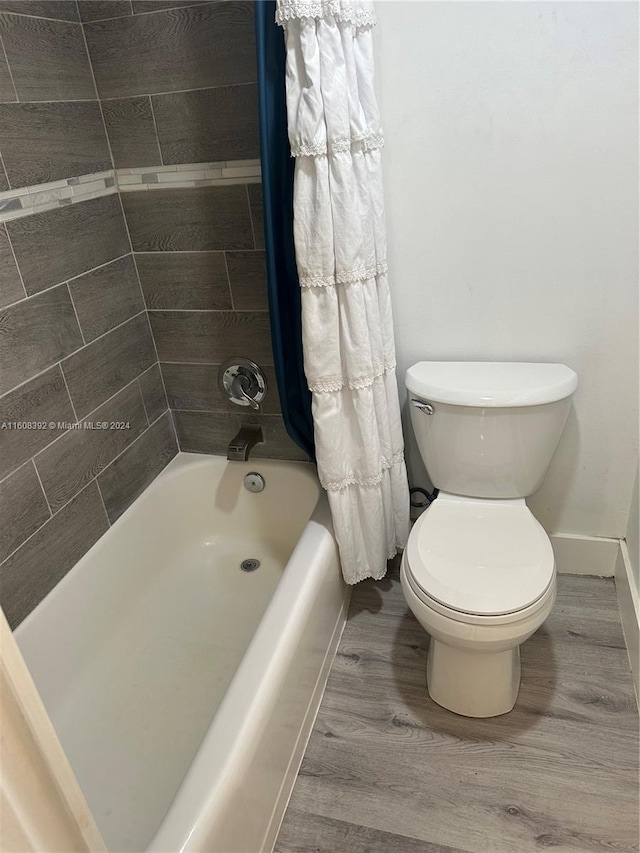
x,y
358,13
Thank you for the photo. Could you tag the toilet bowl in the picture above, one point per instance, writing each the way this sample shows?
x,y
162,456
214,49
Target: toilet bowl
x,y
478,571
479,576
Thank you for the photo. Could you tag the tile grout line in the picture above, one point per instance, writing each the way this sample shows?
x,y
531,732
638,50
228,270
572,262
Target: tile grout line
x,y
131,14
174,428
42,17
75,311
15,260
226,266
178,91
253,230
73,408
59,283
13,82
203,363
35,468
240,411
194,251
95,88
54,100
208,310
58,363
143,295
153,337
144,405
170,9
4,172
155,349
155,126
104,506
131,97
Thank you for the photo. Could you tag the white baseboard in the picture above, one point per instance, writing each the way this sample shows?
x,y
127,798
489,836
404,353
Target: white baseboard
x,y
629,604
585,555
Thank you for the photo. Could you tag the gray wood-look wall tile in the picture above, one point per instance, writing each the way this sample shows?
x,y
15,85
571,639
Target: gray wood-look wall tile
x,y
190,48
106,297
132,132
248,279
34,569
126,478
67,465
7,91
104,366
199,219
61,10
23,508
195,387
181,280
208,125
61,244
153,393
211,432
4,183
10,285
140,6
42,400
36,333
96,10
303,832
254,192
48,59
48,142
211,337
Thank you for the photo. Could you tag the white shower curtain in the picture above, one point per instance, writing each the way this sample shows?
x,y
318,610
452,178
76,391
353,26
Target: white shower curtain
x,y
339,231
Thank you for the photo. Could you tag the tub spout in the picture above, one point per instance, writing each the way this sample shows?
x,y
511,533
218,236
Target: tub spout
x,y
243,443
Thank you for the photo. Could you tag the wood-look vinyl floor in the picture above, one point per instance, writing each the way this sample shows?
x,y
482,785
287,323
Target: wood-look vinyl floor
x,y
389,771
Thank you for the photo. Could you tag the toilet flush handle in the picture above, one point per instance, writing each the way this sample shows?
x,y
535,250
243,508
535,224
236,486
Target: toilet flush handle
x,y
427,408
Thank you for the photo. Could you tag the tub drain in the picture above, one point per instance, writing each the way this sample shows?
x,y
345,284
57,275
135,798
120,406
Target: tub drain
x,y
249,565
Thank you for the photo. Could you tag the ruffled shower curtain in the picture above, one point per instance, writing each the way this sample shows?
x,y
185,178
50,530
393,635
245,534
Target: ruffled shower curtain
x,y
339,232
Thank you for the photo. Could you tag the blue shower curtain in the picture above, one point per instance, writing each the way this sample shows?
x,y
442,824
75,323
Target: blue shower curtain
x,y
277,186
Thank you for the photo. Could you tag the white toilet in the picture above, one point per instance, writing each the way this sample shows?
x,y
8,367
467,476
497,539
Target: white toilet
x,y
478,571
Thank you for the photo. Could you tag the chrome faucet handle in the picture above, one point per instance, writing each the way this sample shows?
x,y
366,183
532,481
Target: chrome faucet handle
x,y
243,382
238,385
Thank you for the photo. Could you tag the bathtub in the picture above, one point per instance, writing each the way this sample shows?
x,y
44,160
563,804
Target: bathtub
x,y
182,688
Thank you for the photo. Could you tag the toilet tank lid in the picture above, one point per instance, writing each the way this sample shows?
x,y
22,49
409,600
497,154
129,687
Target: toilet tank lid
x,y
490,383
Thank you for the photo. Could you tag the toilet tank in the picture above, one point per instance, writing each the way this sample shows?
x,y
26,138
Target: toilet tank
x,y
488,429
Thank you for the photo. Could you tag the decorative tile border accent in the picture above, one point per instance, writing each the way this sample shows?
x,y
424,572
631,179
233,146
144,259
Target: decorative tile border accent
x,y
188,175
41,197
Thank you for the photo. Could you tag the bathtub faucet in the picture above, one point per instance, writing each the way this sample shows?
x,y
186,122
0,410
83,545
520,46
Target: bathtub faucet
x,y
243,443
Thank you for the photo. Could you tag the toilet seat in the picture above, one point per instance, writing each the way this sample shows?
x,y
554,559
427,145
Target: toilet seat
x,y
479,560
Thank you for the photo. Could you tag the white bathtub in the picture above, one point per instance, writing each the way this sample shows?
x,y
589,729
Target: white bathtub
x,y
183,689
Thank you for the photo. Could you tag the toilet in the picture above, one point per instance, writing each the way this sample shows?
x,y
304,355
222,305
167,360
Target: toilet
x,y
478,571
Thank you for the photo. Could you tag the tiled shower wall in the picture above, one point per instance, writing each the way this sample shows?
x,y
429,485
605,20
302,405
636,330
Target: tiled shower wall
x,y
75,341
178,89
177,84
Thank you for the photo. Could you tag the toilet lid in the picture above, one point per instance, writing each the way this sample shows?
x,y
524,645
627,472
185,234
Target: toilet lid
x,y
482,557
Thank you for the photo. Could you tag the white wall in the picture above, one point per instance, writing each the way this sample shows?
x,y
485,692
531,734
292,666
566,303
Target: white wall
x,y
511,195
633,534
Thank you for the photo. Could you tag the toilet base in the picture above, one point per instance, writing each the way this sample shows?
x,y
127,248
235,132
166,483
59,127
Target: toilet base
x,y
473,684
